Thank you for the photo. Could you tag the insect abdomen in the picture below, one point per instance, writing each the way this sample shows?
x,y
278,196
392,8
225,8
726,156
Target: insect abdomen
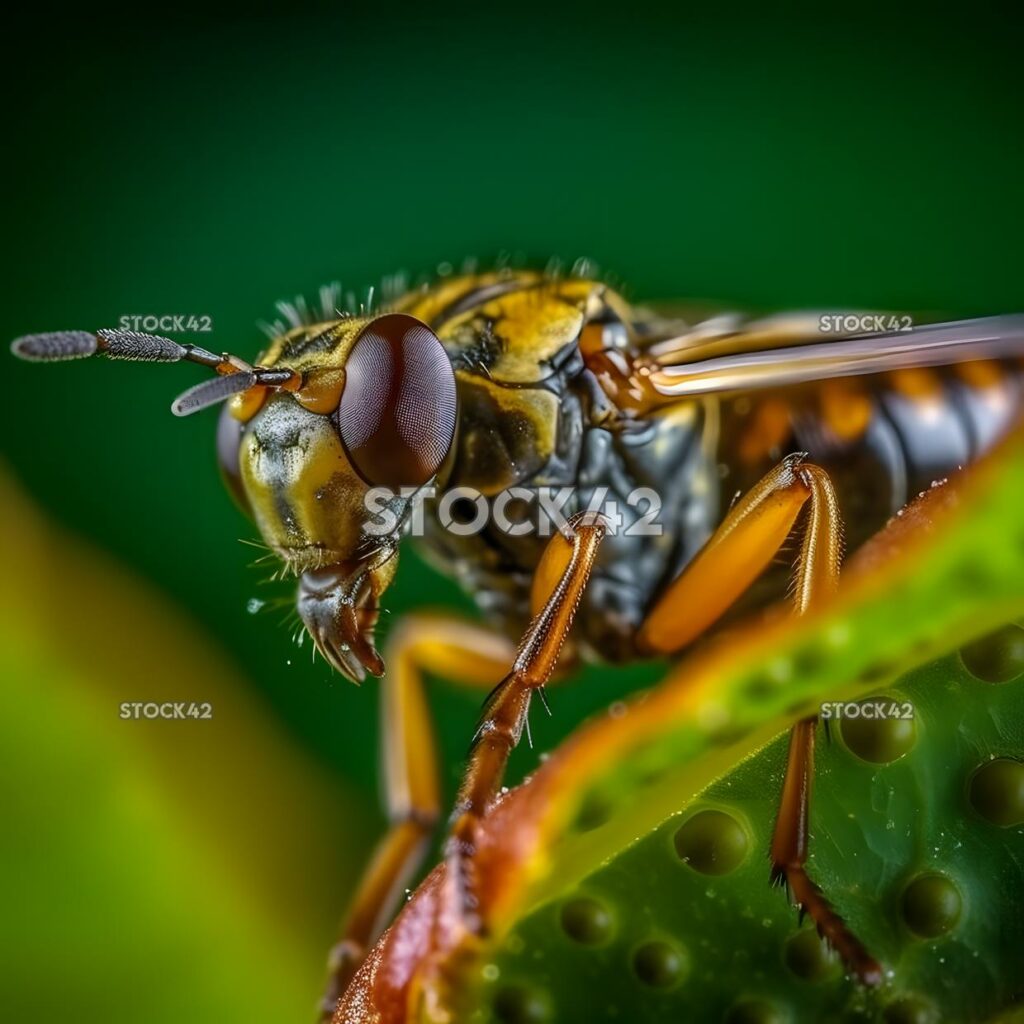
x,y
883,439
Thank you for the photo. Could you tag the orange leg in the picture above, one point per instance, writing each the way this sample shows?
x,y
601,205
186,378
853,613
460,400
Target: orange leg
x,y
562,576
454,650
789,855
742,547
738,552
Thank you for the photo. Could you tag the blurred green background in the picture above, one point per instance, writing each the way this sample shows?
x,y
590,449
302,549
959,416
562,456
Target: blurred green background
x,y
210,165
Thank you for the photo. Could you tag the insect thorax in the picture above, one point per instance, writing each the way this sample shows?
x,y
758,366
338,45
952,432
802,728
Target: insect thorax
x,y
533,416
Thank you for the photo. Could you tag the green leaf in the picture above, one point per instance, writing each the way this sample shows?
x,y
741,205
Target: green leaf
x,y
643,892
909,846
599,908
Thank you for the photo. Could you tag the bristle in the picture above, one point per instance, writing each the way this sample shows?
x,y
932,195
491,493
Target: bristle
x,y
134,345
212,391
330,299
291,314
57,345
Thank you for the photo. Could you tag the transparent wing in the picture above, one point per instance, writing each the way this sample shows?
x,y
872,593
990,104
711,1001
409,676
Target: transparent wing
x,y
783,351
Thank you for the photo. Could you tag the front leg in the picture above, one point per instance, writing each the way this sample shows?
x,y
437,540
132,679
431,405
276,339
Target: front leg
x,y
562,574
467,655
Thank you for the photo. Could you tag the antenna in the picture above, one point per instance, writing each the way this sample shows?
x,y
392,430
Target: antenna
x,y
235,375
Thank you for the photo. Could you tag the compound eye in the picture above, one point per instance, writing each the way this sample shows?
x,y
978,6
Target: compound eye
x,y
229,446
397,411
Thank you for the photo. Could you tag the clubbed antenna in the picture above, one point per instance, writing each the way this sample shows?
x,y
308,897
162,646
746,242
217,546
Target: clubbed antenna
x,y
113,342
235,375
147,348
54,347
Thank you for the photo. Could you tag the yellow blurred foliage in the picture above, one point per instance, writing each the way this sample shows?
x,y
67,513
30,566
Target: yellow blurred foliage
x,y
159,870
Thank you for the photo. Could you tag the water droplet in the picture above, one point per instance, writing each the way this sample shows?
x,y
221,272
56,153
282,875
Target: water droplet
x,y
754,1011
659,964
909,1010
996,658
518,1004
808,957
711,842
878,740
586,921
931,905
996,791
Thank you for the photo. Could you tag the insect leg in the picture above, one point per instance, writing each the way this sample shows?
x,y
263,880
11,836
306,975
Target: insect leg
x,y
742,547
505,711
817,575
789,855
452,649
738,552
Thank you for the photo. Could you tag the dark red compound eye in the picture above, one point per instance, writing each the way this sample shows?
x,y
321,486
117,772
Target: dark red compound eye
x,y
397,411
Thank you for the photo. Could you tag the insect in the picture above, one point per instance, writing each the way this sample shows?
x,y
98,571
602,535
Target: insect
x,y
512,389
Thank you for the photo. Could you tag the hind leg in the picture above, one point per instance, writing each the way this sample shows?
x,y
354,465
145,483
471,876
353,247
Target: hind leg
x,y
737,553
